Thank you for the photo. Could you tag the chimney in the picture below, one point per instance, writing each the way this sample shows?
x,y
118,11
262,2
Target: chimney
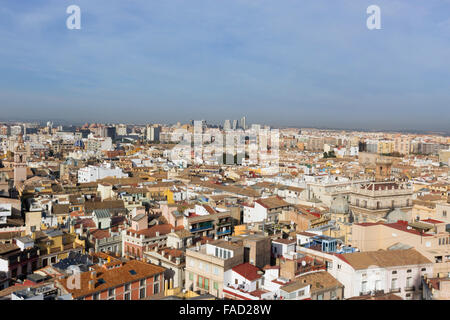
x,y
93,275
91,284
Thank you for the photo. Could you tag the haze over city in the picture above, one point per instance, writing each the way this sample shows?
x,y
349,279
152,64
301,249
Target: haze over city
x,y
288,63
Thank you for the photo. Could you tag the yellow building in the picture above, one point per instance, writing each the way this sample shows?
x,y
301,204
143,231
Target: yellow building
x,y
385,147
54,245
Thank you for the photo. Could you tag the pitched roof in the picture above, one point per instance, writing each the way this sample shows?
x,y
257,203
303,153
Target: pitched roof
x,y
248,271
383,258
272,202
319,281
113,278
102,213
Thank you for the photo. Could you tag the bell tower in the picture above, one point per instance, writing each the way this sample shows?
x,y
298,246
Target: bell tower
x,y
20,165
383,169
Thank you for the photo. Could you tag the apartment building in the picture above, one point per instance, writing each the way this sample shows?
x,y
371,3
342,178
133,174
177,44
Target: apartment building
x,y
209,222
265,209
387,271
207,264
371,202
171,259
132,280
429,237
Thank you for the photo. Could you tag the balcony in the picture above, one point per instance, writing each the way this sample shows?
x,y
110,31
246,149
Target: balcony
x,y
397,290
413,288
202,227
219,233
223,223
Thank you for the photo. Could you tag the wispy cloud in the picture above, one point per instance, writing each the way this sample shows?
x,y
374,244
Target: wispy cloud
x,y
286,62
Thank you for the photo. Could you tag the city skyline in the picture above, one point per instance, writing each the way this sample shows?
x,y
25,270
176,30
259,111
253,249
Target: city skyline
x,y
290,64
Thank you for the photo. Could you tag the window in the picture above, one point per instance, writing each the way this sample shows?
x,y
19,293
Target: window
x,y
301,293
409,282
216,271
156,288
364,286
378,285
217,252
394,284
111,292
333,295
320,297
95,296
423,269
142,293
200,282
127,287
394,272
216,285
127,296
156,277
200,265
292,295
409,271
444,213
142,282
206,284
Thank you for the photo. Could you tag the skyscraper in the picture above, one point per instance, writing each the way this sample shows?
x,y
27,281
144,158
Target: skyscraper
x,y
226,125
243,124
153,132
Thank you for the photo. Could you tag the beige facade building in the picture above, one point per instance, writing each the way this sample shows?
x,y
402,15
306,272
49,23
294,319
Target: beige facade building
x,y
371,202
206,265
429,237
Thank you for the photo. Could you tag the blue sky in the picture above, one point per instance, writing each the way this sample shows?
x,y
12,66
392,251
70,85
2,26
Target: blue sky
x,y
287,62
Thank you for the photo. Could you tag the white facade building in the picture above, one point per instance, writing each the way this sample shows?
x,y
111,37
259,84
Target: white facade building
x,y
94,173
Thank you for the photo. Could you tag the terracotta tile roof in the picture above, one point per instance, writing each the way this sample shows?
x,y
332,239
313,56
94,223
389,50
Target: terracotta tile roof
x,y
100,234
319,281
383,258
248,271
161,228
113,278
272,202
432,221
209,209
284,241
